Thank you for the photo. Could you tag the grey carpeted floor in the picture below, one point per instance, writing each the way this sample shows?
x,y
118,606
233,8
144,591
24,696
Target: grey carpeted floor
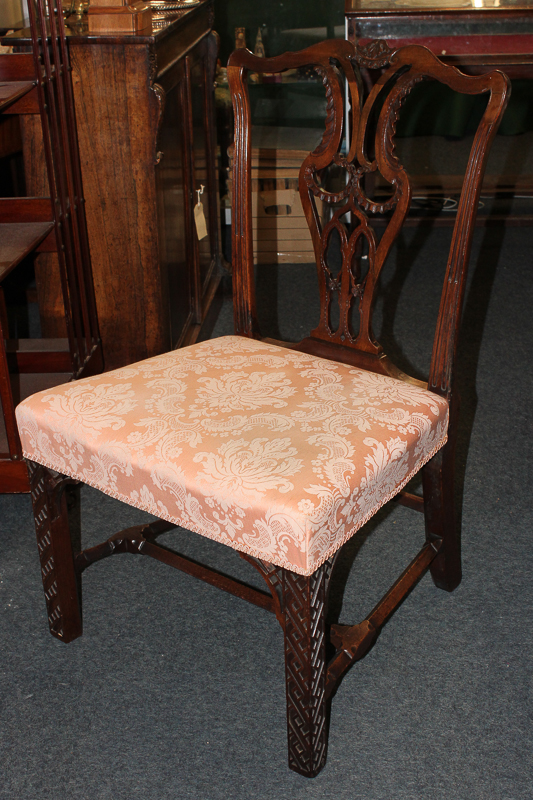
x,y
176,690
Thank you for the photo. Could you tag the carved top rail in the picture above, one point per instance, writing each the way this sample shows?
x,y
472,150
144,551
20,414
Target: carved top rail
x,y
370,149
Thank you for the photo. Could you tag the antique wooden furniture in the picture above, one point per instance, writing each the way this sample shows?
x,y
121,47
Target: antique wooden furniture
x,y
39,83
282,451
474,36
145,125
119,15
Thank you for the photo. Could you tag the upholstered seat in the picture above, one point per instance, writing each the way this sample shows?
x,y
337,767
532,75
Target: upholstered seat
x,y
275,453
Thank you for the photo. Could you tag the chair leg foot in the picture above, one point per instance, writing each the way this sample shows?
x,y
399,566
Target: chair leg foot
x,y
441,521
55,552
304,605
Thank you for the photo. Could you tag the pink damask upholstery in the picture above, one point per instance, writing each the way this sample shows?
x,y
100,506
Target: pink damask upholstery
x,y
275,453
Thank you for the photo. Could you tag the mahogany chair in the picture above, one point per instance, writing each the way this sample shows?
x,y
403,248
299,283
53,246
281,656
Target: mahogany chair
x,y
281,451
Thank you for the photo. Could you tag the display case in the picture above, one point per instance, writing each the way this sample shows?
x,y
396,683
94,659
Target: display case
x,y
145,119
474,34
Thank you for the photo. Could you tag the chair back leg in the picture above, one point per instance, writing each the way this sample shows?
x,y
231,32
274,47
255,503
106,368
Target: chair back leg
x,y
440,518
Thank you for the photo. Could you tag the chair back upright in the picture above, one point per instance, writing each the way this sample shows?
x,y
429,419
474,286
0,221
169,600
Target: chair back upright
x,y
360,141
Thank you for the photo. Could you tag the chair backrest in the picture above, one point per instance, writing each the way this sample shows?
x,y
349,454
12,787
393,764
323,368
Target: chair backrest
x,y
369,149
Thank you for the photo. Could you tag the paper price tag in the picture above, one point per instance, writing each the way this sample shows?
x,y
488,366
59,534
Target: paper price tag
x,y
199,219
199,216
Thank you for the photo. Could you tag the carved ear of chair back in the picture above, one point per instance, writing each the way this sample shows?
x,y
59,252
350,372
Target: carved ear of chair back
x,y
280,452
371,149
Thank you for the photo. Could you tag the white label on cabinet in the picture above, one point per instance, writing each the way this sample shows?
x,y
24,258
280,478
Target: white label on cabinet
x,y
199,216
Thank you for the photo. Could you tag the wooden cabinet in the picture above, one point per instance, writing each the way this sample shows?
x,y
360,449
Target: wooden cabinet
x,y
145,121
185,178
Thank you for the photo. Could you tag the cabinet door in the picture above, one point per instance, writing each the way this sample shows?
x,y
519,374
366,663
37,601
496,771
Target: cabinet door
x,y
185,141
176,255
200,69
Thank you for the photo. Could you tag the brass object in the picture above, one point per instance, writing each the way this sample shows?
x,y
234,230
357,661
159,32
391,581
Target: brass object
x,y
171,5
259,49
240,38
79,8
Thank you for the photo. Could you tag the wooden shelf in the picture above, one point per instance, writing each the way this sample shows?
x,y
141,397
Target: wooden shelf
x,y
17,240
36,87
38,355
12,91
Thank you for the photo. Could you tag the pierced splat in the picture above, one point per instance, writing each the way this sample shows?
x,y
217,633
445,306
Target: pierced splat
x,y
345,288
347,281
372,129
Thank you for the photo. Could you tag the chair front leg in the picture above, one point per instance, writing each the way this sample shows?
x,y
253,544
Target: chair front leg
x,y
441,523
55,552
304,608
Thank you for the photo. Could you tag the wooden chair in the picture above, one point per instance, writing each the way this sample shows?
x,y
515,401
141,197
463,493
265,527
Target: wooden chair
x,y
281,451
38,83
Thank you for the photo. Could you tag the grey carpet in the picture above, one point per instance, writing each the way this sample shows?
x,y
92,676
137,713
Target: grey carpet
x,y
176,690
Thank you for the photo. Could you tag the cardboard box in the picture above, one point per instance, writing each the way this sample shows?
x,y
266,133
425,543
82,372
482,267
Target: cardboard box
x,y
280,230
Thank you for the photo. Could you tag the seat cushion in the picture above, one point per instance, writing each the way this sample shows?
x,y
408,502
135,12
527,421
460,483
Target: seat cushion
x,y
273,452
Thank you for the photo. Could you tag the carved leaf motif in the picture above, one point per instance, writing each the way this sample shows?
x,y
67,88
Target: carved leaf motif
x,y
374,55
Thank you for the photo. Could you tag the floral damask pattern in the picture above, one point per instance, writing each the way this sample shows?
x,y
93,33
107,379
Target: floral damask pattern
x,y
273,452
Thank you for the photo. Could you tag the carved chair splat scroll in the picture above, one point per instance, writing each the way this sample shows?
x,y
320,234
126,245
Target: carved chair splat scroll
x,y
268,447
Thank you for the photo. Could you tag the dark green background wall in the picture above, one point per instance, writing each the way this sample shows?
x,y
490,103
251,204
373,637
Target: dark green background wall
x,y
285,25
294,24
